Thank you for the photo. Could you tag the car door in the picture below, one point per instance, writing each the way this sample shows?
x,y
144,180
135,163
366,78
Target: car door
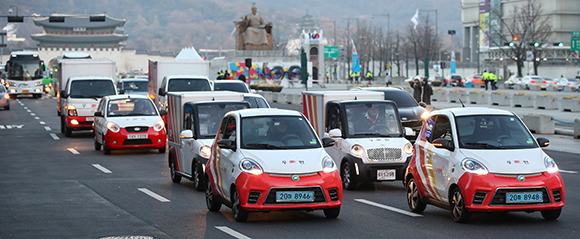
x,y
227,157
187,150
442,160
100,121
334,121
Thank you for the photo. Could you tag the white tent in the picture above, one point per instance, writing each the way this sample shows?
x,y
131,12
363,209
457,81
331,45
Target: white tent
x,y
188,53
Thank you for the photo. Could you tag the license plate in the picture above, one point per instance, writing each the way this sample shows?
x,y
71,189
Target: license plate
x,y
90,118
307,196
24,91
137,136
523,197
386,174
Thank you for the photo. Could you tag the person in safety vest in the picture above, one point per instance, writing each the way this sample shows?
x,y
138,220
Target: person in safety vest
x,y
369,77
485,78
493,80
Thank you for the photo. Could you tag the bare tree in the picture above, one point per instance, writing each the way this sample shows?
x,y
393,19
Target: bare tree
x,y
424,41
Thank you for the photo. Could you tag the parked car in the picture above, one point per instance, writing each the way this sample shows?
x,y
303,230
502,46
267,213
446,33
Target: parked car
x,y
457,80
4,98
530,81
437,81
574,83
513,81
475,80
547,82
127,122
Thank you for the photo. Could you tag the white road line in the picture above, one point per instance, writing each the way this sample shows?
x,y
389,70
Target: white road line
x,y
47,128
42,122
28,111
103,169
566,171
73,151
53,135
25,107
388,208
231,232
33,114
153,195
36,117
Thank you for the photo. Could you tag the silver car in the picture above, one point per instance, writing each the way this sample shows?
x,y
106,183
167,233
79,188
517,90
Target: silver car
x,y
572,82
531,81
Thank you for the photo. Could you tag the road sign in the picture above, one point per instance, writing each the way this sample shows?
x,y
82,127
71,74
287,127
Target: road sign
x,y
529,56
575,41
330,51
515,38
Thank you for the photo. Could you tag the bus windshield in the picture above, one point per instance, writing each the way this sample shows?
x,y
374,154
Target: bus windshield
x,y
25,70
91,88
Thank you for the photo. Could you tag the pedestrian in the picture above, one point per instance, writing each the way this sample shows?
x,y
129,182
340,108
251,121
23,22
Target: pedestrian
x,y
369,77
485,78
427,92
493,80
417,89
242,78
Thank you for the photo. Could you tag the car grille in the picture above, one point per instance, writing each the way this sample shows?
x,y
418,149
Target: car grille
x,y
499,196
136,129
505,175
318,195
253,197
137,142
289,175
478,198
384,154
86,123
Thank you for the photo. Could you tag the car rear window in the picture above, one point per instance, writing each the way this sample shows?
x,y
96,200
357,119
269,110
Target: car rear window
x,y
231,86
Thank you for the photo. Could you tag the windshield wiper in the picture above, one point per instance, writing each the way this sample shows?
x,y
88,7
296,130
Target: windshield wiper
x,y
265,146
369,133
484,145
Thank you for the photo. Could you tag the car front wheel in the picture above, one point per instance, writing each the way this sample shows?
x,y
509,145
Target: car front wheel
x,y
211,201
413,197
332,212
176,178
458,211
198,176
240,214
97,144
551,214
346,175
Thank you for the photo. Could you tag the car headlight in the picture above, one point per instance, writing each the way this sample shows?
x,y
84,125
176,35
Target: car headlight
x,y
473,166
408,149
550,164
113,127
205,151
425,115
251,167
357,150
328,165
159,125
72,110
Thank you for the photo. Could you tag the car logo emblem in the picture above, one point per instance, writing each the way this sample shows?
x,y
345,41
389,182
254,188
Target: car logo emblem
x,y
295,177
137,128
521,178
404,118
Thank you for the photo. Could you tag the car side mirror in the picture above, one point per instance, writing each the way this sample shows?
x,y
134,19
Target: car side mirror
x,y
422,104
98,114
227,144
443,143
327,142
162,112
63,94
543,142
335,133
162,92
186,134
409,132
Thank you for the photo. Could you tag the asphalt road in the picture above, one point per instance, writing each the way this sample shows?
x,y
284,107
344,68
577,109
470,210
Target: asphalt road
x,y
57,187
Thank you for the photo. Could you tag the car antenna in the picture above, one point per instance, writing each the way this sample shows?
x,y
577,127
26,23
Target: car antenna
x,y
461,103
212,98
355,98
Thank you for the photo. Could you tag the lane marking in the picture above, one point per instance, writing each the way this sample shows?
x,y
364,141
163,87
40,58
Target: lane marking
x,y
388,208
153,195
232,233
36,117
33,114
566,171
73,151
2,127
25,107
47,128
53,135
103,169
42,122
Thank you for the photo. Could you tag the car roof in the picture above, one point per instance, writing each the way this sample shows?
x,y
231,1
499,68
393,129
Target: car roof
x,y
229,81
135,79
253,95
266,112
382,89
126,96
464,111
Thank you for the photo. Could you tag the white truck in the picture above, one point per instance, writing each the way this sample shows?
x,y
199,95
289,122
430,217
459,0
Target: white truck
x,y
192,123
81,84
176,75
369,140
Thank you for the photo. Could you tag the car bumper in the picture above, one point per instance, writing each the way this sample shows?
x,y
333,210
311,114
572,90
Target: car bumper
x,y
258,192
368,172
119,140
4,102
79,122
487,193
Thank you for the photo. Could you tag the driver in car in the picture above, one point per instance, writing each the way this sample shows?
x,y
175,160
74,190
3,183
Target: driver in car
x,y
371,117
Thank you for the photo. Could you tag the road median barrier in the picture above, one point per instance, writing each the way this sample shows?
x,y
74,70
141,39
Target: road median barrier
x,y
478,97
278,97
439,95
546,101
571,103
553,88
577,128
457,94
500,98
294,99
266,94
539,124
567,88
523,100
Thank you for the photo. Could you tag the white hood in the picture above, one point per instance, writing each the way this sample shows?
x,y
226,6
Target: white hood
x,y
130,121
85,107
288,161
509,161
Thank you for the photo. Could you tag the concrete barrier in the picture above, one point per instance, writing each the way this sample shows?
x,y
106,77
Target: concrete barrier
x,y
546,102
456,95
294,99
439,95
478,97
523,100
577,128
278,97
567,88
500,98
266,94
552,88
570,103
539,124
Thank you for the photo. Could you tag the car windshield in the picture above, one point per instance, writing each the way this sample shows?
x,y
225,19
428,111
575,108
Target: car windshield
x,y
91,88
493,132
209,117
536,78
131,107
277,132
256,102
135,86
188,84
456,77
231,86
476,77
372,119
401,97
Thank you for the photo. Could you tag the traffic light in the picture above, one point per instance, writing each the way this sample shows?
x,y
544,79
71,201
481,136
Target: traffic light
x,y
442,65
511,44
560,44
249,63
536,44
55,19
15,19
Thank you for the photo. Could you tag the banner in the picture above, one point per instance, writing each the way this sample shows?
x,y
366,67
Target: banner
x,y
355,62
483,23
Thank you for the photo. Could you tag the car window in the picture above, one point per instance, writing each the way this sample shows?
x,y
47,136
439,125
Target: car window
x,y
178,84
277,132
429,125
236,86
378,119
256,102
188,119
492,132
209,116
230,129
333,120
91,88
101,107
131,107
135,86
442,129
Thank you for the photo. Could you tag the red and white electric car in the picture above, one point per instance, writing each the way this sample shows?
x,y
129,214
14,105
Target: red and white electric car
x,y
268,160
128,121
482,160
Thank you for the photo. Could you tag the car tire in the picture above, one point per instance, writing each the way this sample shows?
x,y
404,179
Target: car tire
x,y
332,213
239,213
7,107
458,211
198,182
106,149
413,197
97,144
348,182
211,200
551,214
162,149
57,112
176,178
62,124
